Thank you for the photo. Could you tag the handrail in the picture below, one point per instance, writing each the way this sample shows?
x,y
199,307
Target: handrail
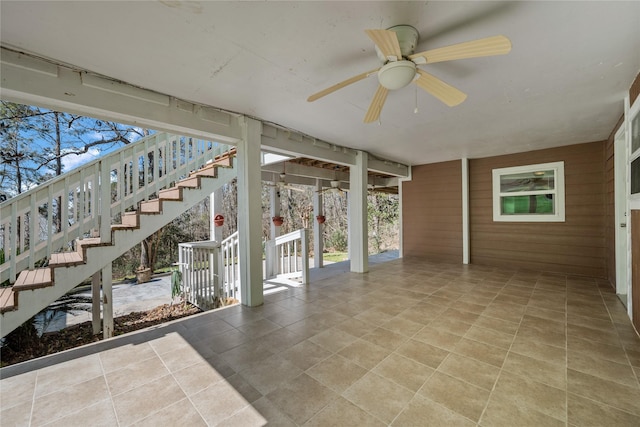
x,y
288,255
210,271
76,204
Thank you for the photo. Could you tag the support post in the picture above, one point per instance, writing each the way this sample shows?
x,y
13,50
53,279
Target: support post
x,y
318,228
271,259
250,213
215,207
465,211
107,302
95,302
305,256
358,232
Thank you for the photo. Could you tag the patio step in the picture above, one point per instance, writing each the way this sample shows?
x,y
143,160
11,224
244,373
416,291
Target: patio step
x,y
8,300
65,259
151,206
34,279
173,193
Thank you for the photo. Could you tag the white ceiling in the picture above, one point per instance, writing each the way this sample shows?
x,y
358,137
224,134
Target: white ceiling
x,y
563,83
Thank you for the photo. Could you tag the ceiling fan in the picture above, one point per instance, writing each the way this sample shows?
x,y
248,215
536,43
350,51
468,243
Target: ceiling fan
x,y
282,184
400,65
335,187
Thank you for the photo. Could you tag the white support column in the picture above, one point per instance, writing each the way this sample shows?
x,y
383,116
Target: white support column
x,y
358,232
465,211
250,213
215,208
107,302
95,302
318,228
276,206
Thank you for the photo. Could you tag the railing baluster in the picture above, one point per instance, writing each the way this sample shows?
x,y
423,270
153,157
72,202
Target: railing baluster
x,y
64,221
49,219
13,242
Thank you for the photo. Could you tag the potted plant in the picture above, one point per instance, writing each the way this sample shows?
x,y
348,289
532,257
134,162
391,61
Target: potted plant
x,y
277,221
321,219
218,220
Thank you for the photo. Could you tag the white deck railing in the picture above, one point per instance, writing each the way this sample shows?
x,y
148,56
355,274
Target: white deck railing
x,y
47,218
210,272
287,256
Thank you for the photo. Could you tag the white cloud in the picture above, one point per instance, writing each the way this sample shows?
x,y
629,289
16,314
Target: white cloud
x,y
73,161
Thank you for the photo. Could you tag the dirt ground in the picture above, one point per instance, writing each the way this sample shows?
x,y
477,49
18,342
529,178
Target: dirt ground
x,y
24,343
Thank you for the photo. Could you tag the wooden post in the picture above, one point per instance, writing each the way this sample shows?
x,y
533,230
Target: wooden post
x,y
317,227
107,302
95,302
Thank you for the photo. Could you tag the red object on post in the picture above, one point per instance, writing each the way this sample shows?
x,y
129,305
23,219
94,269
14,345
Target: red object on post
x,y
277,220
218,220
321,219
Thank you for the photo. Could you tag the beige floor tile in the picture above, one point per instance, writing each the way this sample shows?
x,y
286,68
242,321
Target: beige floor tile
x,y
459,396
379,396
471,307
68,400
181,358
337,373
553,374
135,374
605,337
17,389
374,316
614,353
604,391
451,325
472,371
305,354
196,378
502,412
16,415
271,414
403,326
437,337
634,356
422,353
364,353
385,338
245,355
301,398
272,371
355,327
180,413
122,356
333,339
243,387
140,402
258,328
618,372
532,394
341,413
420,410
56,377
403,371
489,336
498,325
247,416
583,412
480,351
169,342
540,351
227,340
556,339
279,340
218,402
102,415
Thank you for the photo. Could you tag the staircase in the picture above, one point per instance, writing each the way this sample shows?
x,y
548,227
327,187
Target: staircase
x,y
160,177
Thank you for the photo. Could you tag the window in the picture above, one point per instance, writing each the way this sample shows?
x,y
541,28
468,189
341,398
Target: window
x,y
533,193
635,155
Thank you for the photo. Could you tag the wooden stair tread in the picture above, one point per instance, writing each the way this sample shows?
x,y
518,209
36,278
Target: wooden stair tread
x,y
7,299
33,279
62,259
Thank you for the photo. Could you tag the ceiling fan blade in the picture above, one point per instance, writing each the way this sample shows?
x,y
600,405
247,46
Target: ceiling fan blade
x,y
340,85
441,90
387,42
376,105
496,45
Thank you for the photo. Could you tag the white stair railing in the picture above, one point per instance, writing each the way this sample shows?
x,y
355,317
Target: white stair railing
x,y
210,271
48,218
287,256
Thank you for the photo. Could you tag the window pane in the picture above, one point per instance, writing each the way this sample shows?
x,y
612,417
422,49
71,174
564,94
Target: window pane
x,y
528,181
535,205
635,175
635,134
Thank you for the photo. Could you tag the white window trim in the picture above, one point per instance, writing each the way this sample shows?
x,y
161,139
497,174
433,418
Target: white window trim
x,y
559,216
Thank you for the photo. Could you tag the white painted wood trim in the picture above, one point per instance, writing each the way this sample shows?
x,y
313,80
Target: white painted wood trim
x,y
465,211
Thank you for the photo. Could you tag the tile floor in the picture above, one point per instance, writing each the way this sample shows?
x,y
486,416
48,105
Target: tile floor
x,y
411,343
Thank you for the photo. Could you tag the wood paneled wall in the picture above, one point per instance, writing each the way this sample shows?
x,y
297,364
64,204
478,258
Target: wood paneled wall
x,y
634,91
432,212
576,246
610,204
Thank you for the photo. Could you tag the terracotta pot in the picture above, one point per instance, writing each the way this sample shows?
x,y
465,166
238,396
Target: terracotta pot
x,y
277,220
321,219
218,220
144,275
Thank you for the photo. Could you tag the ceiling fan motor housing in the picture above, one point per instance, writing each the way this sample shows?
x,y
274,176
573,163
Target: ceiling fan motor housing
x,y
407,39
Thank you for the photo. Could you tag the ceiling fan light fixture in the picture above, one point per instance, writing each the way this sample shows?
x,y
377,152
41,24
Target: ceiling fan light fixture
x,y
396,75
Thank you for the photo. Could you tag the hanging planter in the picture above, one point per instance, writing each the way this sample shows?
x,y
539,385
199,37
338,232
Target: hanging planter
x,y
218,220
321,219
277,221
